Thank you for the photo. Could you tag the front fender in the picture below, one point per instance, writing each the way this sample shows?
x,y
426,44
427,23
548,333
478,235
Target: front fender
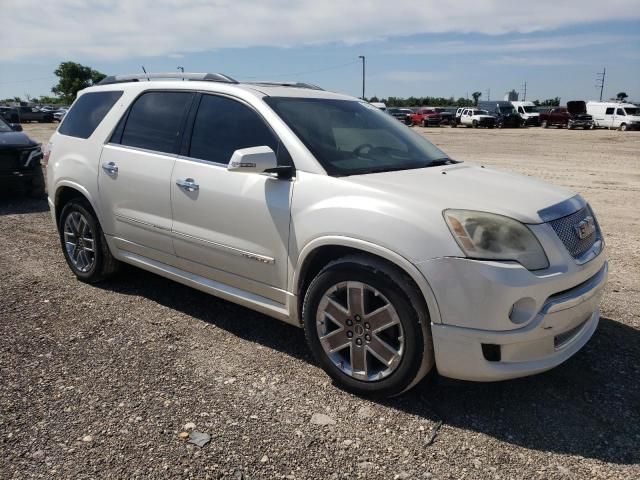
x,y
368,247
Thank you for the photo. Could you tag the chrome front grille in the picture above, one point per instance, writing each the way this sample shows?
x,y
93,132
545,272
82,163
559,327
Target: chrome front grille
x,y
568,230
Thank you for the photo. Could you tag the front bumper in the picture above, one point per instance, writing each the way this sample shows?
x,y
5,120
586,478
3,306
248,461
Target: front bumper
x,y
562,319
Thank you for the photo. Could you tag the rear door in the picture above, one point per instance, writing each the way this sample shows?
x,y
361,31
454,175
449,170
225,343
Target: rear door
x,y
231,227
135,174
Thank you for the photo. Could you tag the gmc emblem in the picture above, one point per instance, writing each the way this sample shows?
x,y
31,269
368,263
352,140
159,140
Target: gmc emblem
x,y
585,228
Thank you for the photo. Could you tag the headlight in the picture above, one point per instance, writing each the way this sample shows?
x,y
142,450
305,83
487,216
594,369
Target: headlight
x,y
489,236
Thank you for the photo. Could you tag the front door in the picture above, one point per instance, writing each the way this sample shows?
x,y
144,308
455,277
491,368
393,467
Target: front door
x,y
235,225
135,171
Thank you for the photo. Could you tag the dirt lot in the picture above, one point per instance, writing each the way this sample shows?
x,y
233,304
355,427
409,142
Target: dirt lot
x,y
98,381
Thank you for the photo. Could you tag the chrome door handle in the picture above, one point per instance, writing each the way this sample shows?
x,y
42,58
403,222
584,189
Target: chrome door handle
x,y
188,184
110,167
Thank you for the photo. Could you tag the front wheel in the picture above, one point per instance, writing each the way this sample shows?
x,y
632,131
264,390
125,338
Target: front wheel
x,y
366,327
623,127
544,124
474,124
83,243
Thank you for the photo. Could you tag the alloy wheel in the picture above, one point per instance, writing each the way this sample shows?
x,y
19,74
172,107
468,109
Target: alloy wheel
x,y
79,241
360,331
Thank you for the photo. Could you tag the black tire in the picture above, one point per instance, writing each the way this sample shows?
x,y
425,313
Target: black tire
x,y
623,127
474,124
454,124
544,124
424,124
104,265
417,359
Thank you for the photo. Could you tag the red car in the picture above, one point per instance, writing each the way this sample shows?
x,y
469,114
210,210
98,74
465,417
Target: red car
x,y
426,117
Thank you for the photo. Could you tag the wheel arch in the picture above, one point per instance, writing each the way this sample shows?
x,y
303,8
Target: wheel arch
x,y
65,191
319,252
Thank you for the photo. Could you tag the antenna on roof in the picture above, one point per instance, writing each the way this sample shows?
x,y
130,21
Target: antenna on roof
x,y
144,71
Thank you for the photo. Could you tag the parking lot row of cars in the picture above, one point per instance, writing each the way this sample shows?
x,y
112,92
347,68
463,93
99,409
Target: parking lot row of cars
x,y
490,114
40,114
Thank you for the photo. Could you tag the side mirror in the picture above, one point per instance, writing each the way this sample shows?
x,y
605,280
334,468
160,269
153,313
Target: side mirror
x,y
253,160
16,127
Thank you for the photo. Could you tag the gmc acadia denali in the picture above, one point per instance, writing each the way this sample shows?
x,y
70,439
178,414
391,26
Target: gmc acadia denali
x,y
322,211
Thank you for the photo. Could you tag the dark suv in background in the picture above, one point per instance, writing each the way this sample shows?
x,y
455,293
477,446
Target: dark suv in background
x,y
20,157
504,112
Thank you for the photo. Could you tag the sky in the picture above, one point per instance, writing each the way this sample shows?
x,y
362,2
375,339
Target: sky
x,y
418,47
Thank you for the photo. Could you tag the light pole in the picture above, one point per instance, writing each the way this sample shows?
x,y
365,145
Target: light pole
x,y
362,57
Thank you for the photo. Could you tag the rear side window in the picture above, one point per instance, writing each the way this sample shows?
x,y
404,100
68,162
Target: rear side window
x,y
154,121
223,126
609,111
87,113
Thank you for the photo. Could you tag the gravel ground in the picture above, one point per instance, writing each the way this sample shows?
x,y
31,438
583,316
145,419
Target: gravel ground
x,y
99,381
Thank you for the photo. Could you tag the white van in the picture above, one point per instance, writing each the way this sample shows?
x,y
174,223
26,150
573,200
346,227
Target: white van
x,y
528,112
624,116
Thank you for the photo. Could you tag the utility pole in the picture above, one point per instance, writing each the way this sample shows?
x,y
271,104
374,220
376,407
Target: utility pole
x,y
600,80
363,60
524,93
488,94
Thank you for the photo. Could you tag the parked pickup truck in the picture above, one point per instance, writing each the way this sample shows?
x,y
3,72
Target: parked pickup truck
x,y
426,117
30,114
572,116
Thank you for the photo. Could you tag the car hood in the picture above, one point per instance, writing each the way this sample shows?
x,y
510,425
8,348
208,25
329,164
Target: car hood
x,y
576,107
467,187
15,140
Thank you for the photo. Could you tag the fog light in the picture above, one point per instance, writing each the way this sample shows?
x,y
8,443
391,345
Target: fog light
x,y
523,310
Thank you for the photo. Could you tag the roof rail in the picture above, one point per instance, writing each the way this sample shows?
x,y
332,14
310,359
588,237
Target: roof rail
x,y
136,77
268,83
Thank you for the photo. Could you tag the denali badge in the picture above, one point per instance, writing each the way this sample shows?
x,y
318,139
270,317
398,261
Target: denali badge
x,y
585,228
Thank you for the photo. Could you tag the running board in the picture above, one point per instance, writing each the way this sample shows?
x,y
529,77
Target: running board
x,y
217,289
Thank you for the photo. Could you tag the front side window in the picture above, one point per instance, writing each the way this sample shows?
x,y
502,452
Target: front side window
x,y
223,125
154,121
349,137
87,113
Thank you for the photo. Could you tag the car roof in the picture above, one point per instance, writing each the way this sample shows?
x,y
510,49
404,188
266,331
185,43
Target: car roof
x,y
260,90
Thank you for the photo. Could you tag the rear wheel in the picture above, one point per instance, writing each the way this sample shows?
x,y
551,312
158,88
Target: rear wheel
x,y
474,124
623,127
364,324
544,124
83,243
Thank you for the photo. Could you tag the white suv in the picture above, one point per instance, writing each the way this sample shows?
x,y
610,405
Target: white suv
x,y
320,210
472,117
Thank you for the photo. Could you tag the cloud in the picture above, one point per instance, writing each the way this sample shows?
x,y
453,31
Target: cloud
x,y
414,77
116,29
555,42
536,61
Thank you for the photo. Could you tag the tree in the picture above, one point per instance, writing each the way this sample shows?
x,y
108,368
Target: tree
x,y
476,96
73,78
549,102
621,96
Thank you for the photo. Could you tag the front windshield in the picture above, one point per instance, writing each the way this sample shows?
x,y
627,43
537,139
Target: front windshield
x,y
506,110
632,111
529,109
349,137
4,127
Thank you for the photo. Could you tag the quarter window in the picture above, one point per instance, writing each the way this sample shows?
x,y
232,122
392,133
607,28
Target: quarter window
x,y
155,121
609,111
87,113
223,125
